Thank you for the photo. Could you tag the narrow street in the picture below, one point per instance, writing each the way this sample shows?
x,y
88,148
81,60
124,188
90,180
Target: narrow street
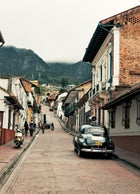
x,y
51,166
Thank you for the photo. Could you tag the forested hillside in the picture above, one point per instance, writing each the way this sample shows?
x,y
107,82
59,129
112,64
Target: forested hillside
x,y
23,62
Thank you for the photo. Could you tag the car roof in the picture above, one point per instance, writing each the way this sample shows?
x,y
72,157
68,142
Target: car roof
x,y
88,126
85,126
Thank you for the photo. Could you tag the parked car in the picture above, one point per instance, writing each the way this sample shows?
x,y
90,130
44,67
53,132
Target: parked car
x,y
93,139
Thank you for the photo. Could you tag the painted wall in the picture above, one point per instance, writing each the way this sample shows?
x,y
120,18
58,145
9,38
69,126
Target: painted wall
x,y
119,129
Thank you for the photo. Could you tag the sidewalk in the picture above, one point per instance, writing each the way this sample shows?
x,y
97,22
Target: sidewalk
x,y
9,155
129,157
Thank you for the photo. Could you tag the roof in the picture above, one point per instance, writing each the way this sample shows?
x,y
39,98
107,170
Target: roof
x,y
74,92
1,39
71,96
61,96
129,95
13,100
33,83
82,100
95,43
101,33
82,84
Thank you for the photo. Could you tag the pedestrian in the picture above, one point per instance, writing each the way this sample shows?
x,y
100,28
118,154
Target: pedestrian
x,y
43,127
31,128
52,126
26,128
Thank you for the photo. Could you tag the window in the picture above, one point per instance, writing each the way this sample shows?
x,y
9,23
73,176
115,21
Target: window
x,y
126,115
112,117
101,73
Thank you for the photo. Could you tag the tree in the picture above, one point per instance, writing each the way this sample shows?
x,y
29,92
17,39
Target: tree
x,y
64,82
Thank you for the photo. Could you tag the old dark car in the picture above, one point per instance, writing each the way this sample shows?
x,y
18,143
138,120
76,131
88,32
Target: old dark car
x,y
93,139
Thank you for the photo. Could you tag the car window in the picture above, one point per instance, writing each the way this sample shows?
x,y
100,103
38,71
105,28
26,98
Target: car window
x,y
97,131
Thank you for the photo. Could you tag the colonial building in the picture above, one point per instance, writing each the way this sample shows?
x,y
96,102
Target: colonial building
x,y
12,107
58,105
114,53
125,121
74,105
33,100
17,104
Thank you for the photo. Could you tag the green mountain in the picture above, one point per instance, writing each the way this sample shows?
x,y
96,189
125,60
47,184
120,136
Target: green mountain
x,y
26,63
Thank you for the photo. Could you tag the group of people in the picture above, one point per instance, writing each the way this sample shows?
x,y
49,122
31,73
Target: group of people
x,y
29,127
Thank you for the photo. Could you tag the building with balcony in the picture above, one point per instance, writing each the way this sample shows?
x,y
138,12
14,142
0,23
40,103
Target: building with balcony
x,y
17,104
75,107
114,53
12,107
125,120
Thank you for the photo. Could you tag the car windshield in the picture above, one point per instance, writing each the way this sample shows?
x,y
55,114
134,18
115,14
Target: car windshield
x,y
97,131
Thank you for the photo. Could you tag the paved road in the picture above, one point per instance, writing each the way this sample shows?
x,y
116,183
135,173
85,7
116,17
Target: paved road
x,y
50,166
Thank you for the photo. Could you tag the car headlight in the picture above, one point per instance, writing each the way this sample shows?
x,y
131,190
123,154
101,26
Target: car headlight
x,y
81,140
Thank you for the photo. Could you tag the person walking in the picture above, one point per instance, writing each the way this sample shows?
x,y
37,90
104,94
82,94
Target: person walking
x,y
31,128
43,127
26,128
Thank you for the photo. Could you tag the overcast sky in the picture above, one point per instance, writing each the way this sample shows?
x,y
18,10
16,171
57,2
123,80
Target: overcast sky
x,y
56,30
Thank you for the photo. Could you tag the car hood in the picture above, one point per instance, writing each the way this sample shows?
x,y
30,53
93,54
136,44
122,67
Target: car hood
x,y
90,138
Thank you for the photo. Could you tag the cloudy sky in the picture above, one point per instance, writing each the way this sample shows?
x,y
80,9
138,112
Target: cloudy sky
x,y
56,30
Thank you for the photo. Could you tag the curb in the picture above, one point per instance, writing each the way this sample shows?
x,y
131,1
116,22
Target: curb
x,y
126,161
4,174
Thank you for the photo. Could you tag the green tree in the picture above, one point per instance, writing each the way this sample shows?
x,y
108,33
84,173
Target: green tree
x,y
64,82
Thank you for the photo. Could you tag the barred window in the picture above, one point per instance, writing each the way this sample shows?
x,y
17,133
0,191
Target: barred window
x,y
126,115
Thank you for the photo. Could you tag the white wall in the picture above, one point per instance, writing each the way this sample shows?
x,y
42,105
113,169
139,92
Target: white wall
x,y
4,83
4,108
119,129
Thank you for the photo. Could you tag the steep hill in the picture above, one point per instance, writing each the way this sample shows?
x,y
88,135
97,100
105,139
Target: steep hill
x,y
23,62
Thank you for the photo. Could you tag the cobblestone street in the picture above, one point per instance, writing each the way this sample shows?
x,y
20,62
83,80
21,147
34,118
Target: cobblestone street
x,y
51,166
